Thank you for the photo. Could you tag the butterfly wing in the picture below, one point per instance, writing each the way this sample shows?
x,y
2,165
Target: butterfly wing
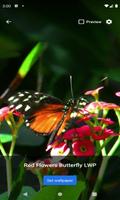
x,y
46,119
43,112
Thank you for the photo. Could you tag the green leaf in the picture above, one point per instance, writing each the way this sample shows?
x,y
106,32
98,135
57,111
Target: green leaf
x,y
4,138
68,192
26,194
25,67
31,59
18,181
4,196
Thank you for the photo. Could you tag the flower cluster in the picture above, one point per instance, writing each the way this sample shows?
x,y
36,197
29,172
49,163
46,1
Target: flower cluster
x,y
88,137
85,139
5,112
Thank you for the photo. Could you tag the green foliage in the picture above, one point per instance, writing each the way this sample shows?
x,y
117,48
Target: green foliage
x,y
5,137
4,196
31,58
18,182
68,192
26,194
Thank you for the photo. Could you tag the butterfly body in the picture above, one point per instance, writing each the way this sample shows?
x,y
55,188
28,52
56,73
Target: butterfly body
x,y
45,114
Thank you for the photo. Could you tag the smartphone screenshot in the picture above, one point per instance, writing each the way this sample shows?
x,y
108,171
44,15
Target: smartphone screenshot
x,y
59,100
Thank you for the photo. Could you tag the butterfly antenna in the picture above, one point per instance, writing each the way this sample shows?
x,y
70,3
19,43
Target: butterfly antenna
x,y
71,87
104,79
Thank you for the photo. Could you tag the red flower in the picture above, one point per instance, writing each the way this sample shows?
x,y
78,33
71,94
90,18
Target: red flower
x,y
71,134
83,118
80,132
106,121
84,131
83,148
102,134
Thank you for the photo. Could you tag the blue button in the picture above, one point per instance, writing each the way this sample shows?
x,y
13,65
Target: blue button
x,y
60,180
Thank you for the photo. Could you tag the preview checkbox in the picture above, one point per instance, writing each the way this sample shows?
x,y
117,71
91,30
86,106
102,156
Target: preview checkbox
x,y
81,21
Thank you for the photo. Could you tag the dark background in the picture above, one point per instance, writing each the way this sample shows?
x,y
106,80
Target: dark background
x,y
87,52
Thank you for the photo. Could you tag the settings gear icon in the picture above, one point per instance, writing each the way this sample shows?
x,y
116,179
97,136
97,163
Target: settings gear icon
x,y
108,21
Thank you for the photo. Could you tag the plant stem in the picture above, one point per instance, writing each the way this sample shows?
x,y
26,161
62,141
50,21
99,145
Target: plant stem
x,y
115,146
103,151
39,176
99,178
85,192
88,175
12,146
9,173
15,134
2,150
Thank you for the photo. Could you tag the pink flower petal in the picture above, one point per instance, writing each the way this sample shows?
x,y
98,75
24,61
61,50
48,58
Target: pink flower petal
x,y
60,150
94,92
117,94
